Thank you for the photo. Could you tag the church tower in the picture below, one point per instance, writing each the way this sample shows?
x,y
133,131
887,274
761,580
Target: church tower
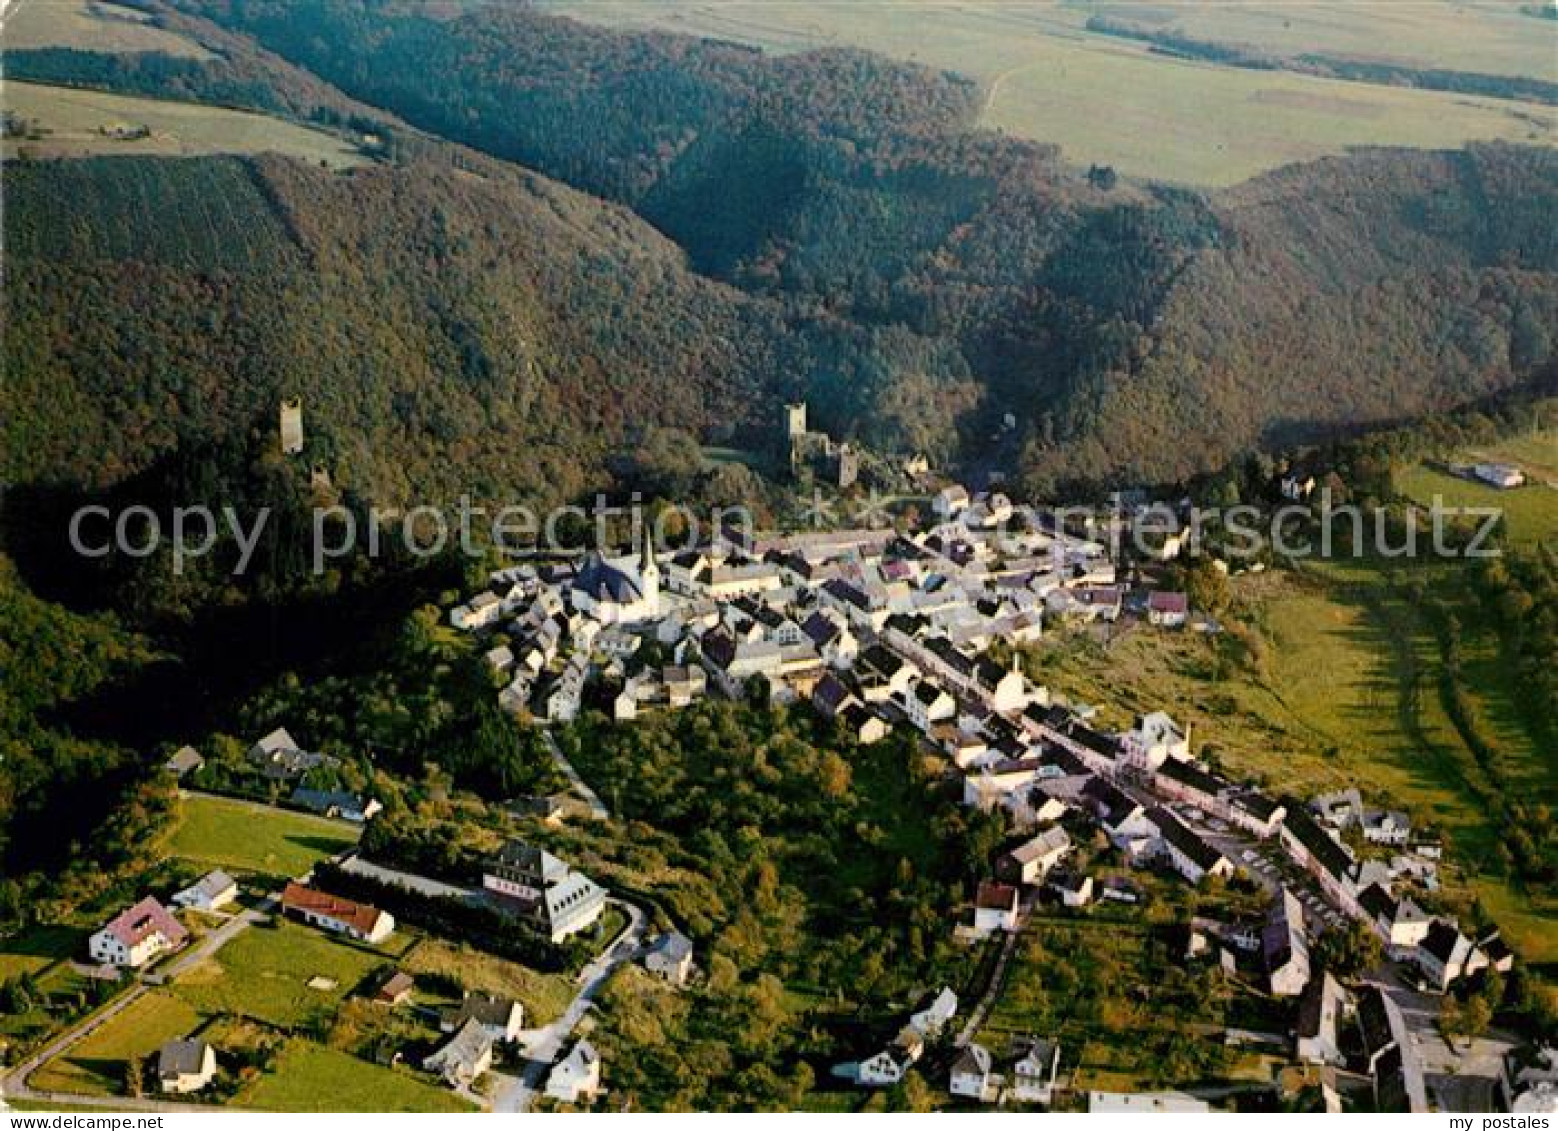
x,y
649,575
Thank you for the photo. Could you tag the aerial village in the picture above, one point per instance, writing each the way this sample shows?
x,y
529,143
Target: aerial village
x,y
885,628
881,630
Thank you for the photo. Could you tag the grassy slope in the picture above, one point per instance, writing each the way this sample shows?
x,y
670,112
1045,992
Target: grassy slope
x,y
545,996
91,25
72,120
1109,101
247,838
1531,511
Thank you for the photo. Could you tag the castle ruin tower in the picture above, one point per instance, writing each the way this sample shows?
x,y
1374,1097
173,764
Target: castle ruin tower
x,y
794,421
291,427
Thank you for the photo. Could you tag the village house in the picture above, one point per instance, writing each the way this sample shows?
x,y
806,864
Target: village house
x,y
1029,863
1075,889
1296,486
184,761
575,1078
935,1016
1167,610
1180,780
1317,1038
279,757
1386,826
137,935
1253,812
465,1058
500,1018
1285,947
211,892
1189,855
864,725
971,1076
544,890
336,914
1329,861
1501,475
395,990
480,611
950,500
1390,1053
887,1067
995,908
1033,1075
1445,956
1124,820
1153,740
670,957
1400,924
185,1066
926,703
337,803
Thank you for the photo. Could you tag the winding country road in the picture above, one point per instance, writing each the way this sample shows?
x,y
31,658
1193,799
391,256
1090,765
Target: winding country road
x,y
547,1043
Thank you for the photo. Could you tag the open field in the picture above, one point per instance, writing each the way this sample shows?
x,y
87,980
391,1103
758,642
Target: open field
x,y
309,1077
1530,512
96,1065
1115,102
72,122
91,25
1484,36
264,974
246,837
1535,452
38,947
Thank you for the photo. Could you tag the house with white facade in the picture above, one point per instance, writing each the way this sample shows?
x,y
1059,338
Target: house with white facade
x,y
137,935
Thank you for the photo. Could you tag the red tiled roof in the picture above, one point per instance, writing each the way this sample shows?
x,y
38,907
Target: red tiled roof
x,y
1001,897
134,924
360,916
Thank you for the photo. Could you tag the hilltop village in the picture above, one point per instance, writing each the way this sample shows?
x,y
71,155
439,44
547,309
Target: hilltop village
x,y
475,968
884,629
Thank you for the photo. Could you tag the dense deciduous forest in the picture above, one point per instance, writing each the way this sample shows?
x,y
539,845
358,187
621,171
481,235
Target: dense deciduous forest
x,y
925,278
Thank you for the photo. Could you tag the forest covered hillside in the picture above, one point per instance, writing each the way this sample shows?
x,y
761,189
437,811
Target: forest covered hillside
x,y
449,328
826,224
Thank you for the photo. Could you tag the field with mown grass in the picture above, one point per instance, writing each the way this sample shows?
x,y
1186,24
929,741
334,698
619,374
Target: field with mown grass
x,y
1530,511
264,973
223,833
92,25
96,1064
310,1077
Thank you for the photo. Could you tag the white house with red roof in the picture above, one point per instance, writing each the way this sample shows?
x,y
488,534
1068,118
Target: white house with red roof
x,y
335,913
137,935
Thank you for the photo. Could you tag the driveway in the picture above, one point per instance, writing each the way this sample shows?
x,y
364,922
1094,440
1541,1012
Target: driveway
x,y
15,1082
543,1046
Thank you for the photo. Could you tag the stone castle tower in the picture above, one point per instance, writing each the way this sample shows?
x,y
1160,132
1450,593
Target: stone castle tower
x,y
291,427
794,421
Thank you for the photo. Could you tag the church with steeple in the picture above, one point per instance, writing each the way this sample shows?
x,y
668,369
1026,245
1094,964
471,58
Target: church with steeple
x,y
623,590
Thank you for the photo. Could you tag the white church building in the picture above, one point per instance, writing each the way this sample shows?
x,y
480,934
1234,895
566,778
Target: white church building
x,y
623,590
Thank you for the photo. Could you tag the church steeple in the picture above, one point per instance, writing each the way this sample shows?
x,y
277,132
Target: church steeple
x,y
648,571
